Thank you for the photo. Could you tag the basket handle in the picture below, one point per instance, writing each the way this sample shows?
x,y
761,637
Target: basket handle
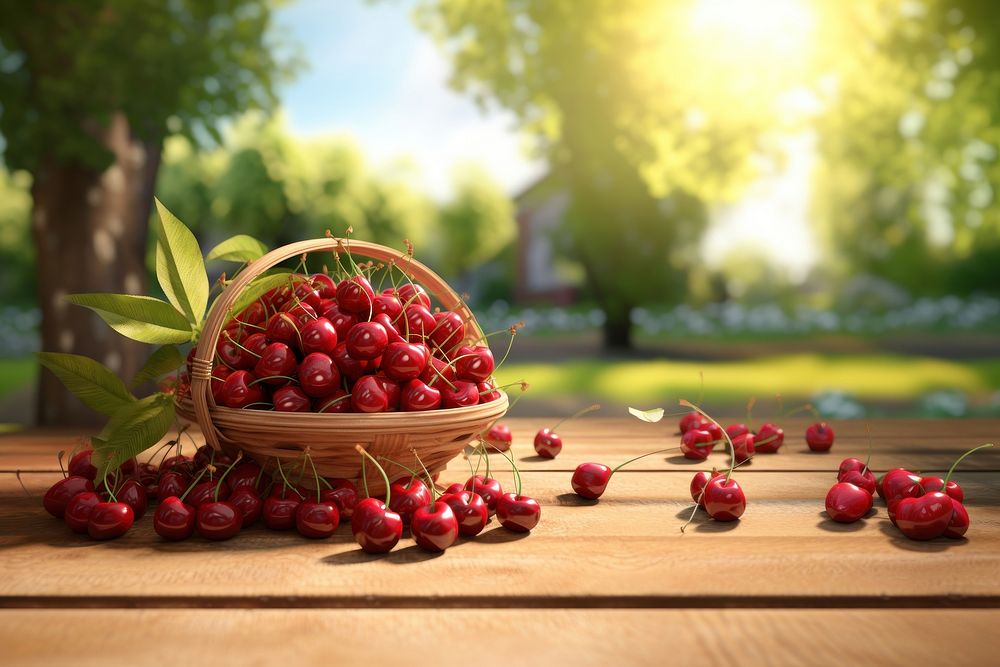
x,y
201,365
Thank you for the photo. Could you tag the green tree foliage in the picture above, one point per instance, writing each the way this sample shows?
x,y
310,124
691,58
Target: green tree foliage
x,y
16,253
476,225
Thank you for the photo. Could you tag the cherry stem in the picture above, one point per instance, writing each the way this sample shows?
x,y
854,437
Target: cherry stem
x,y
218,486
336,400
59,459
510,344
17,473
752,402
413,473
194,482
430,480
271,377
732,447
315,475
658,451
868,430
806,407
385,478
578,413
959,460
240,345
513,466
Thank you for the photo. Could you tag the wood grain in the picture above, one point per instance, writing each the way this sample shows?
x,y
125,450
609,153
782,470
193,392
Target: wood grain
x,y
486,637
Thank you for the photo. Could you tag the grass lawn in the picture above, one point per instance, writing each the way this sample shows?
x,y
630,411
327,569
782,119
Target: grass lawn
x,y
15,373
879,377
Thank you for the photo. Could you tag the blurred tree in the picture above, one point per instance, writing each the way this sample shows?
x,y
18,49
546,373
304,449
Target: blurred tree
x,y
16,253
636,115
89,91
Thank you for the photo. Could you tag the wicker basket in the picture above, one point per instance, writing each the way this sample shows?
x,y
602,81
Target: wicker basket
x,y
267,436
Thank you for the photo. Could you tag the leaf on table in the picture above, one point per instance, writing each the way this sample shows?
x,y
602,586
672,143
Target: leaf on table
x,y
140,318
180,268
164,360
239,248
90,381
652,416
132,430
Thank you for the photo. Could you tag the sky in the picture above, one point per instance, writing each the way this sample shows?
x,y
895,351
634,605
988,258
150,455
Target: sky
x,y
374,77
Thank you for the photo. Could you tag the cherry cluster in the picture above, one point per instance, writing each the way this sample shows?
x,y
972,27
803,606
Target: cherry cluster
x,y
318,345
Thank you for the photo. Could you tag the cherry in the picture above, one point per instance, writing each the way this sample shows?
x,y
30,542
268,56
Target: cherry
x,y
417,396
736,430
338,401
376,528
317,519
393,335
318,375
410,293
518,513
172,483
368,395
406,361
724,500
255,345
203,492
78,509
769,439
591,479
696,444
255,313
925,517
238,391
341,320
392,392
174,519
388,305
438,372
353,369
219,374
324,284
487,488
846,502
691,420
355,295
248,503
938,484
343,494
743,447
418,322
276,364
81,466
879,485
959,523
487,392
109,520
698,483
819,437
291,399
864,479
898,484
456,487
218,520
306,292
449,330
133,494
283,328
469,508
367,340
406,498
434,527
499,437
474,363
246,474
849,464
462,395
232,353
279,513
302,314
59,495
547,443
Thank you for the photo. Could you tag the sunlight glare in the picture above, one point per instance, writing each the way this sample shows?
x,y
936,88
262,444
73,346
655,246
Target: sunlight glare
x,y
769,28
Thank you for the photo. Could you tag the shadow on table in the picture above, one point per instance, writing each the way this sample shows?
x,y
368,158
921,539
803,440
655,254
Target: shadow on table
x,y
829,525
900,541
702,523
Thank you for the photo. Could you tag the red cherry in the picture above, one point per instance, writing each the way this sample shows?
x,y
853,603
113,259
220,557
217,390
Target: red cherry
x,y
407,498
410,293
337,402
279,513
819,437
769,439
724,501
376,528
417,396
547,443
937,484
219,375
487,488
881,480
253,314
109,520
343,494
291,399
698,483
248,503
367,340
351,368
691,420
899,484
456,487
959,523
393,335
469,508
324,284
341,320
80,465
177,463
283,328
926,517
696,444
418,323
474,363
246,474
518,513
438,373
133,494
743,446
318,375
499,437
255,343
77,514
238,392
317,519
368,395
306,292
276,364
463,395
62,492
849,464
218,520
355,295
405,361
865,480
204,492
388,305
736,430
448,331
846,502
232,354
302,313
172,483
174,519
591,479
297,492
434,527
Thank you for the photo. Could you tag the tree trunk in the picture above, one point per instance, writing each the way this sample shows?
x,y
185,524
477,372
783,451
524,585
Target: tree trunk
x,y
90,231
617,328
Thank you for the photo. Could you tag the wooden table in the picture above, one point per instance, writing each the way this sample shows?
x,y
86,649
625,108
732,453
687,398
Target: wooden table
x,y
596,583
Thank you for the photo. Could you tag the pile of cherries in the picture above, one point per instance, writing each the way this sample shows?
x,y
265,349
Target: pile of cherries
x,y
319,345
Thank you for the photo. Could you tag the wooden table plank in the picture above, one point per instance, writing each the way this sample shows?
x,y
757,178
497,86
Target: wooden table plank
x,y
624,550
929,445
488,637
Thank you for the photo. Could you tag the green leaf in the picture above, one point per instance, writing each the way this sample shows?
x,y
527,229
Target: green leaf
x,y
239,248
258,287
132,430
140,318
164,360
652,415
180,268
93,383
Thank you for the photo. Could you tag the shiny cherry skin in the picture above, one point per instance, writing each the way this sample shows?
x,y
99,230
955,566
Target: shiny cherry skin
x,y
696,444
291,399
81,465
469,508
172,483
133,494
590,480
77,514
937,484
338,401
849,464
368,395
900,484
231,353
238,391
375,527
276,365
846,502
487,392
518,513
319,335
690,421
205,491
302,313
959,523
464,394
698,483
388,305
343,494
403,362
474,363
724,501
410,293
282,327
865,480
279,513
417,323
547,443
324,284
341,320
925,517
881,480
455,487
316,520
744,445
367,340
434,527
59,494
109,520
487,488
392,333
177,463
416,396
408,497
736,430
307,292
218,520
318,375
448,331
248,503
351,368
438,373
355,295
246,474
499,437
819,437
773,435
174,519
